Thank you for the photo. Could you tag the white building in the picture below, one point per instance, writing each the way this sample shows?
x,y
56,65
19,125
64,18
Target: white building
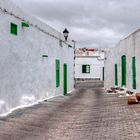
x,y
36,63
89,64
122,64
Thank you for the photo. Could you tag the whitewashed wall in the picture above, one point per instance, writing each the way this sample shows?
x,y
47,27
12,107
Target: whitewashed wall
x,y
109,71
96,67
25,76
129,47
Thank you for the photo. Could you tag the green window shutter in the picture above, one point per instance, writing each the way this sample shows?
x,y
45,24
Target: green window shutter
x,y
13,29
123,70
85,68
134,72
25,24
57,73
116,75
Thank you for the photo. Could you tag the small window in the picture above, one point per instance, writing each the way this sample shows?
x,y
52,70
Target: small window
x,y
25,24
85,68
57,73
13,29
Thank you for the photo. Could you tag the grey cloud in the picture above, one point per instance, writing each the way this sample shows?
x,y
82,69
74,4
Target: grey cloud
x,y
93,23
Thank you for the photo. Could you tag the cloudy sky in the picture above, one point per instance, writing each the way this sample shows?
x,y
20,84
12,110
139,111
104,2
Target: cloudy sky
x,y
92,23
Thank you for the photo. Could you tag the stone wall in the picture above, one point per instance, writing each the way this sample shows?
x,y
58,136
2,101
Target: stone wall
x,y
26,76
130,47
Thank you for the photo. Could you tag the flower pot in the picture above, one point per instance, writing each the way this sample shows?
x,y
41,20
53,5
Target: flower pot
x,y
132,100
138,96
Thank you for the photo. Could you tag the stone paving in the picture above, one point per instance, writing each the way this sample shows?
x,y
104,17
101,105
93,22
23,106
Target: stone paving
x,y
85,114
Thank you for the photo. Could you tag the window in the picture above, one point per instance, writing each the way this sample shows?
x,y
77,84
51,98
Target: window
x,y
25,24
85,68
13,29
57,73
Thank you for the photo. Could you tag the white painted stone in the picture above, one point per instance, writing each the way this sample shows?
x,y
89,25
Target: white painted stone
x,y
96,61
24,73
130,46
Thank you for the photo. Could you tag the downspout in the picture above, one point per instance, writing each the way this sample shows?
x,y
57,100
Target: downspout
x,y
74,42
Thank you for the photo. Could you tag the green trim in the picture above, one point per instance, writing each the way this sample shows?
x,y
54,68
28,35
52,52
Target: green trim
x,y
65,78
25,24
69,46
116,75
57,65
103,73
123,70
134,72
44,55
85,68
13,29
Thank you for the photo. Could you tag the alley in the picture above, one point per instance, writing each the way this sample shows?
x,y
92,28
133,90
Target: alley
x,y
85,114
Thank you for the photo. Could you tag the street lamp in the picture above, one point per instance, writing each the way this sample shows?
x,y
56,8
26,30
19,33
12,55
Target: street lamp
x,y
66,33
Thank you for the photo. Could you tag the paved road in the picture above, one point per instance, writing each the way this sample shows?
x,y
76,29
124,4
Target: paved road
x,y
86,114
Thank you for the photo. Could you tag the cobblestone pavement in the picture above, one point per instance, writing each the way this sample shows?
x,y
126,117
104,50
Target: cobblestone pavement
x,y
86,114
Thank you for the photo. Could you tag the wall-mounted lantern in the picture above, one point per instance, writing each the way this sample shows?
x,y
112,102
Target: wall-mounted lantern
x,y
66,33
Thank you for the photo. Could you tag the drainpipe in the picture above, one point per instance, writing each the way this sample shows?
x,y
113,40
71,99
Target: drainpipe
x,y
74,42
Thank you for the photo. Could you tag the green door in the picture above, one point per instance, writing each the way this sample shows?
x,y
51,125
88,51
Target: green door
x,y
123,70
103,71
116,75
134,72
57,63
65,78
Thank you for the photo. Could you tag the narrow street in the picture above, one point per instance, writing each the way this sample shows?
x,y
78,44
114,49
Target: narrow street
x,y
85,114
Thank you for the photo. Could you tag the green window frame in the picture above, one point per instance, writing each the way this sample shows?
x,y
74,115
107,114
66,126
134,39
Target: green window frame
x,y
25,24
123,58
134,72
85,68
57,73
116,75
14,29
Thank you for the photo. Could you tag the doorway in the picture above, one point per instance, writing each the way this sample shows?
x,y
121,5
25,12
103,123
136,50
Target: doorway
x,y
123,70
134,72
65,80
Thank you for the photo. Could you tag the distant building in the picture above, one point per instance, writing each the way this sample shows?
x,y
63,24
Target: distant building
x,y
36,62
89,64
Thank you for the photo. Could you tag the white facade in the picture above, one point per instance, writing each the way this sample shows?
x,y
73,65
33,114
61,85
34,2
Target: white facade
x,y
93,58
130,47
26,76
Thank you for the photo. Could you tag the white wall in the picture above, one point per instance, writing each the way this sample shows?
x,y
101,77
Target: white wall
x,y
25,76
96,67
129,47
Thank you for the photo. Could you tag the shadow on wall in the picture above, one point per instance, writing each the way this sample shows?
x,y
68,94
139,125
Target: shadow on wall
x,y
26,100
